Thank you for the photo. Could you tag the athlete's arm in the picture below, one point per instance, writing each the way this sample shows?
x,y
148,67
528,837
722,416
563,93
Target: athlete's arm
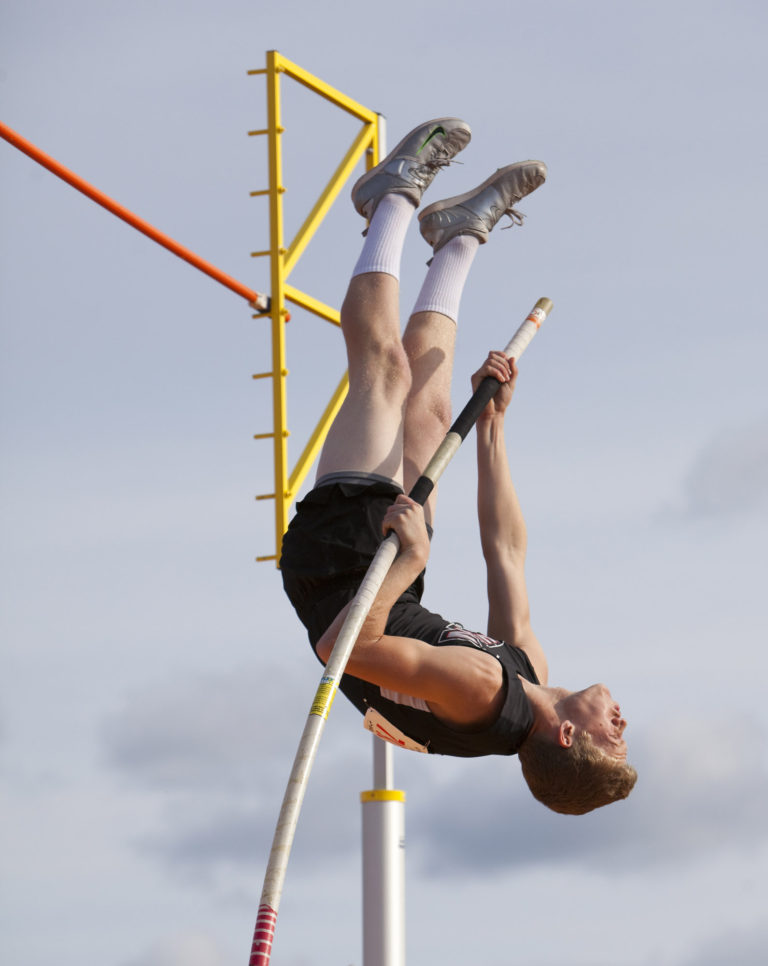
x,y
502,527
463,687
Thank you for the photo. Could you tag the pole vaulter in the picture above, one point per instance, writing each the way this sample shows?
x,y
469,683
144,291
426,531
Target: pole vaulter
x,y
282,842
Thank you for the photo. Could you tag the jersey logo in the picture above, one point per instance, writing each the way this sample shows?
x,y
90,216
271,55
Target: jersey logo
x,y
376,723
455,632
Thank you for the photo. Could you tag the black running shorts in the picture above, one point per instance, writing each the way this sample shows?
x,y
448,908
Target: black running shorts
x,y
329,546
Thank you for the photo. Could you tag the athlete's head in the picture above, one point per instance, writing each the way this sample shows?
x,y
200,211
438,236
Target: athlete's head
x,y
584,765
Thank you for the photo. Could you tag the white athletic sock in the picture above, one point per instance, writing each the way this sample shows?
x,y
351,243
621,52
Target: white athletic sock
x,y
383,246
448,270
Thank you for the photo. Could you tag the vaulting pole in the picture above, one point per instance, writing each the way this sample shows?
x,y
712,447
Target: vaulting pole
x,y
261,949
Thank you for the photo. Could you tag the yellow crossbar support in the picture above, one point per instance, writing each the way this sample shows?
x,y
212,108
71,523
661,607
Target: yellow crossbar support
x,y
326,91
361,144
312,449
312,305
283,261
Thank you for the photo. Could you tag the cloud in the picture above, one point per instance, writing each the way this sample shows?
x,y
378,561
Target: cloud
x,y
217,751
201,744
213,841
207,730
729,477
744,946
700,790
184,949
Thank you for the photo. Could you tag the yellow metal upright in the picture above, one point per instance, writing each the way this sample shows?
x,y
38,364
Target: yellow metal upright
x,y
284,259
277,279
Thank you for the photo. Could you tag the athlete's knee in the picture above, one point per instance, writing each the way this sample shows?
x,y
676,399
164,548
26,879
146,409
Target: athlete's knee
x,y
382,367
437,413
429,413
396,368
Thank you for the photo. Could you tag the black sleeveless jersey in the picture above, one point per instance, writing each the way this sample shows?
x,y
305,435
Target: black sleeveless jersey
x,y
326,553
412,717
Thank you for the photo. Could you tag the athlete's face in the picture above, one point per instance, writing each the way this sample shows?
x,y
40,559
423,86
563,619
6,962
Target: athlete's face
x,y
594,710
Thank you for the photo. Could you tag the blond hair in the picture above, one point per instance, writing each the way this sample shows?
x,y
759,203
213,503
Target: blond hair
x,y
577,779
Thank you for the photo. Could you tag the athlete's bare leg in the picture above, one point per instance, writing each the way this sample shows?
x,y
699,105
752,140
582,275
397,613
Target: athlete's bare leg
x,y
454,228
367,434
429,341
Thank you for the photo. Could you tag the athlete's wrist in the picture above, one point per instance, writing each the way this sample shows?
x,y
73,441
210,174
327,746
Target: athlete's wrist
x,y
410,562
495,416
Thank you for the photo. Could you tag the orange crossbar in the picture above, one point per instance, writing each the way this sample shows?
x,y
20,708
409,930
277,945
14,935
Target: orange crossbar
x,y
256,299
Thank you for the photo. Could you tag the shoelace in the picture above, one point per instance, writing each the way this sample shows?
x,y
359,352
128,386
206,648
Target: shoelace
x,y
515,218
428,169
442,160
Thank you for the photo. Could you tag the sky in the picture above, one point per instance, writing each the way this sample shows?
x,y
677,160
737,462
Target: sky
x,y
154,680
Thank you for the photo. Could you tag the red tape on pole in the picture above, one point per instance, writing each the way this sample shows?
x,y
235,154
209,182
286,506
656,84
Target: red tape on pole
x,y
263,935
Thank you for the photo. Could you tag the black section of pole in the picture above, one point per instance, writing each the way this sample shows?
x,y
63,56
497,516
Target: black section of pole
x,y
461,427
471,412
421,490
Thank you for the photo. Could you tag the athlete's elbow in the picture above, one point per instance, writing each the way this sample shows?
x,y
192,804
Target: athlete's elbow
x,y
503,554
324,646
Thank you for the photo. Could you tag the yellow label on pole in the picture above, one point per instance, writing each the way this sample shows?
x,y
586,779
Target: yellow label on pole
x,y
324,696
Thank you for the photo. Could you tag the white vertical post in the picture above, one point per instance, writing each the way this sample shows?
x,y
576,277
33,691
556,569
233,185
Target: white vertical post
x,y
383,865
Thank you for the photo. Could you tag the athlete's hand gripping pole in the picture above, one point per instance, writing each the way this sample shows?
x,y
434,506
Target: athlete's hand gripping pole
x,y
261,949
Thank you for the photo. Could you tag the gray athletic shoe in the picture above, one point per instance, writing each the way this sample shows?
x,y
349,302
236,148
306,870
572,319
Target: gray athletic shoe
x,y
478,211
410,168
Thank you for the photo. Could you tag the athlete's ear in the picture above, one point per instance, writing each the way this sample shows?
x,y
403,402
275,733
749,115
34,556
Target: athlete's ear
x,y
566,733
